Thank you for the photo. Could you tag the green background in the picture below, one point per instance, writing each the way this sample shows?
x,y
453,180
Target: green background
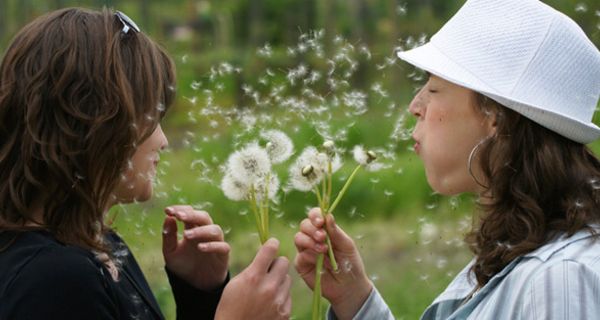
x,y
410,237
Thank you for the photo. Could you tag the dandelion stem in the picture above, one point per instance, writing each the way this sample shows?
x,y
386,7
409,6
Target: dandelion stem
x,y
325,213
316,306
324,194
266,208
257,216
316,191
329,179
344,188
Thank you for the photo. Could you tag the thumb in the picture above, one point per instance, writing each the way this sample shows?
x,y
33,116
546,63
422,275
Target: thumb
x,y
265,256
339,239
169,235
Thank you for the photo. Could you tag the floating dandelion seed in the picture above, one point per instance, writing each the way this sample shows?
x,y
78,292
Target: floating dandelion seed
x,y
401,9
581,7
195,85
266,51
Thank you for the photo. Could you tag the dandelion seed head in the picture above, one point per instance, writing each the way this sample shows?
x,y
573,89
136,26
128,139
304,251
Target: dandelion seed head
x,y
360,155
308,170
249,164
328,145
266,189
234,189
279,146
310,157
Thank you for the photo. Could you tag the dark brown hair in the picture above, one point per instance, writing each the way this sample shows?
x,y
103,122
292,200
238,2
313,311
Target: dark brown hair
x,y
77,95
538,184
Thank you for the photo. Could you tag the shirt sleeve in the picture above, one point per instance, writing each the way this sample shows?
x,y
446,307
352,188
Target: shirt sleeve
x,y
374,308
194,303
566,290
58,285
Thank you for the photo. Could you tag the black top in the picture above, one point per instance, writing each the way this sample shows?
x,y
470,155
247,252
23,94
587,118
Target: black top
x,y
41,278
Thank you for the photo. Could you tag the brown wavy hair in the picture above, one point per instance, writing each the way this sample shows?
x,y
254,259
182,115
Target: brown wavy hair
x,y
538,185
77,95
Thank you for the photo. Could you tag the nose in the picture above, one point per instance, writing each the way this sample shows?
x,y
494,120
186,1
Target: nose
x,y
416,105
164,142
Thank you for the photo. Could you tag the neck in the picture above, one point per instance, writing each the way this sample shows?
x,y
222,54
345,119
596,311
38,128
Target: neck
x,y
36,219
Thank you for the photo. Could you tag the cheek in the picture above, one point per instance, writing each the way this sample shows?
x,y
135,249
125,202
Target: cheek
x,y
445,153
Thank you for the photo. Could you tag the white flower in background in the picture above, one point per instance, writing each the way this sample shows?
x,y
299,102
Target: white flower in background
x,y
234,189
250,164
261,188
279,145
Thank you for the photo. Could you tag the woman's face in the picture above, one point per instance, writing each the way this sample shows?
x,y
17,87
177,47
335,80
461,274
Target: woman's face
x,y
136,181
449,126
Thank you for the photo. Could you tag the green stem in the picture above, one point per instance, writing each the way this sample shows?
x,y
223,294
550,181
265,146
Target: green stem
x,y
332,260
266,208
324,194
316,191
257,215
344,188
329,179
316,306
334,264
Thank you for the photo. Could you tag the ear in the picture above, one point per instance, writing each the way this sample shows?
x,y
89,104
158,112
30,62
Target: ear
x,y
491,122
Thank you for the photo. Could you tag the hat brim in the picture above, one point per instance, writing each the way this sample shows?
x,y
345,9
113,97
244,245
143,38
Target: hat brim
x,y
432,60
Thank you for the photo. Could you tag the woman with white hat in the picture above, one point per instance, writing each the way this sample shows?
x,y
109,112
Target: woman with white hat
x,y
506,114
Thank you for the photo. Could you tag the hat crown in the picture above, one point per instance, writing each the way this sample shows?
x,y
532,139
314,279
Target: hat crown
x,y
492,40
523,54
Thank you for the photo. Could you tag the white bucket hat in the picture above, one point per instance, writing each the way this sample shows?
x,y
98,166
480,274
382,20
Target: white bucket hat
x,y
524,55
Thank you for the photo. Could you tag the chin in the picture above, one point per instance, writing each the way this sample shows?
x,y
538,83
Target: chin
x,y
443,187
145,195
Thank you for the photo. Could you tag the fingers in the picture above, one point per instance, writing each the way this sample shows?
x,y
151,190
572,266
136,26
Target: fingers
x,y
286,307
205,233
305,262
309,228
169,234
214,247
316,217
305,242
189,216
265,256
339,239
279,268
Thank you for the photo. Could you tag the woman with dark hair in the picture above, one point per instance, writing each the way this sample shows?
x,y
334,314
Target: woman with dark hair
x,y
505,115
82,94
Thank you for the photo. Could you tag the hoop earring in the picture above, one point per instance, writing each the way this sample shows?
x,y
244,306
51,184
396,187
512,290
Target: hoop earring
x,y
470,161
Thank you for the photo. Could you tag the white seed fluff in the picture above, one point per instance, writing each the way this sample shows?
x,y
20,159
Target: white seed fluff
x,y
249,164
279,146
261,187
319,162
360,155
234,189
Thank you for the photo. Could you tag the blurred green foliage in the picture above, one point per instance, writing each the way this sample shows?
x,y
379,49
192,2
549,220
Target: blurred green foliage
x,y
389,213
